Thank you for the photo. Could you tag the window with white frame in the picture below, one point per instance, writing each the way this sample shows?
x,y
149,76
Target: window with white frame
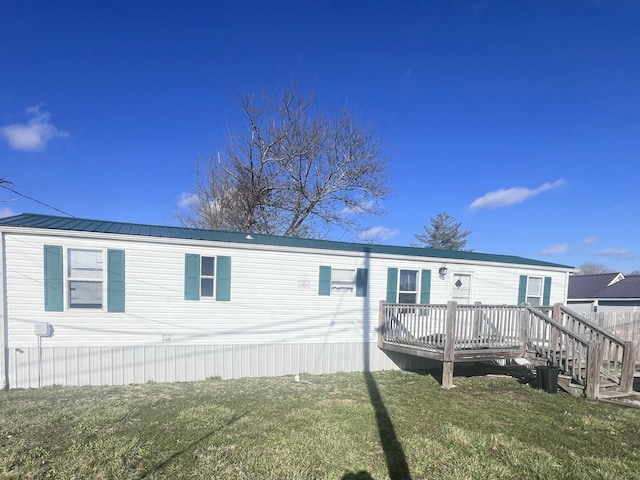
x,y
408,286
343,280
85,278
534,291
207,276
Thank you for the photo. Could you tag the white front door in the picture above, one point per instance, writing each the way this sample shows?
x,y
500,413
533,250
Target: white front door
x,y
461,288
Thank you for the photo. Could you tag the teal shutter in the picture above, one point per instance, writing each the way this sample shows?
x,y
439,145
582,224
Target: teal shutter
x,y
115,280
362,279
546,295
425,287
522,290
392,285
223,279
324,283
191,277
53,278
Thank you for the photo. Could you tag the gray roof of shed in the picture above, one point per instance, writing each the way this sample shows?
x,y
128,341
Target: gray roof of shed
x,y
588,286
30,220
597,286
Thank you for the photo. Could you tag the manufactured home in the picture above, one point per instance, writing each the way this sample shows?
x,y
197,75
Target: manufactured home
x,y
89,302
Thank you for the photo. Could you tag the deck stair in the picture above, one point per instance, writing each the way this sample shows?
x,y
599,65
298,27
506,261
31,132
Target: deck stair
x,y
591,361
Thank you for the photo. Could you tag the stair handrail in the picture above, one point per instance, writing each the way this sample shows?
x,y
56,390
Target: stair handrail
x,y
617,355
579,318
556,345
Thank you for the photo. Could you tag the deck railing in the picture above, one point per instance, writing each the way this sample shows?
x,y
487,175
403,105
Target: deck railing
x,y
475,326
565,339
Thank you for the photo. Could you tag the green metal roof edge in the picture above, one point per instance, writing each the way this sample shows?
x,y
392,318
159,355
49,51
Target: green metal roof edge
x,y
32,220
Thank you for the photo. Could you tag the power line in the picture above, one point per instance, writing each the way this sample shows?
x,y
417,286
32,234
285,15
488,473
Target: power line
x,y
3,184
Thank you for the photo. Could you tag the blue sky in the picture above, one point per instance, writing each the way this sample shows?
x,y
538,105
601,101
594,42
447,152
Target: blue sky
x,y
519,118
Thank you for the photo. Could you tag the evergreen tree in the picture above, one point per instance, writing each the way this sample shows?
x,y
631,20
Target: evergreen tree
x,y
444,233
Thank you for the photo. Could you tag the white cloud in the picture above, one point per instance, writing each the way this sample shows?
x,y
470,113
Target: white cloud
x,y
33,135
589,241
615,252
378,233
186,199
557,249
6,212
511,196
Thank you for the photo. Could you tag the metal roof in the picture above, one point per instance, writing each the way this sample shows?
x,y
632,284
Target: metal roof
x,y
49,222
600,286
588,286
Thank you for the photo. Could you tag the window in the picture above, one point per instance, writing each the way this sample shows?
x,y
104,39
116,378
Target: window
x,y
92,279
343,280
85,276
534,291
207,277
408,286
403,286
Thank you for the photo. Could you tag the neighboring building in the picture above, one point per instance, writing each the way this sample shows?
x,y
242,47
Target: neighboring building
x,y
604,292
87,302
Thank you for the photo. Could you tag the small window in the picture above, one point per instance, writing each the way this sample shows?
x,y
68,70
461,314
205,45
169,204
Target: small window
x,y
408,286
86,278
207,277
534,291
343,280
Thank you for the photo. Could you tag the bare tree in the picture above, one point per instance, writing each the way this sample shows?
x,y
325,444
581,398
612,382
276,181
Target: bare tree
x,y
444,233
593,269
292,172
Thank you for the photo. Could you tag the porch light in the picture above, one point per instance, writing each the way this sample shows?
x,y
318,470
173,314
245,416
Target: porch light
x,y
443,270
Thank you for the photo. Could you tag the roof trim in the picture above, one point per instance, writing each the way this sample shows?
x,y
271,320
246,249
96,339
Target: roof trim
x,y
50,222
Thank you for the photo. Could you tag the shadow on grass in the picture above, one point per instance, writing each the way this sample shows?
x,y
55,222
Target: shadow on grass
x,y
522,374
395,458
362,475
160,466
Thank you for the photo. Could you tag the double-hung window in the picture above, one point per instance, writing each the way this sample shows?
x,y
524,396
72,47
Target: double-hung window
x,y
534,291
85,277
207,276
408,286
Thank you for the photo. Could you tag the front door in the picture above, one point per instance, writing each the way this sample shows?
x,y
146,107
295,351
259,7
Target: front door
x,y
461,288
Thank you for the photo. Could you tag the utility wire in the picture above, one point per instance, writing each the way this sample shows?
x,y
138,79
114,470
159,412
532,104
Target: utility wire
x,y
3,184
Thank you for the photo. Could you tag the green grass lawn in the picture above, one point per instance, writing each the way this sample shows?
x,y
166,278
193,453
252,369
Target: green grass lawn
x,y
345,426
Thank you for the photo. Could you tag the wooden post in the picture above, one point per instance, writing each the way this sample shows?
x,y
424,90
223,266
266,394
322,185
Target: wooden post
x,y
628,366
381,317
449,344
524,328
593,370
477,321
557,314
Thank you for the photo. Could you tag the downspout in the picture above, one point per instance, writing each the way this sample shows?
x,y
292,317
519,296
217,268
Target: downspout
x,y
4,317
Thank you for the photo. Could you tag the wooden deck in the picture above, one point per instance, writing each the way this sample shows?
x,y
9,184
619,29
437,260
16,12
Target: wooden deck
x,y
451,333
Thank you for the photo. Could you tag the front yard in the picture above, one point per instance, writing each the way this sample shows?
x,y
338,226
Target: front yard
x,y
345,426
